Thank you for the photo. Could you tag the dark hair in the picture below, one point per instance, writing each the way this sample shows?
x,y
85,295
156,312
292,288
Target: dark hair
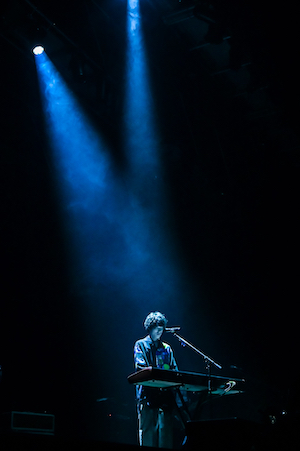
x,y
155,319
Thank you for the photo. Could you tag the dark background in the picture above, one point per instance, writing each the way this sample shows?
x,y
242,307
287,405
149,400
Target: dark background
x,y
227,96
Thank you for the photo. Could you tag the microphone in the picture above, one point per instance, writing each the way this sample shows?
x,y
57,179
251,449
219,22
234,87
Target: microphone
x,y
172,329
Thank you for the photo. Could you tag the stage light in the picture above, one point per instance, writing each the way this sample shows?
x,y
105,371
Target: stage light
x,y
38,50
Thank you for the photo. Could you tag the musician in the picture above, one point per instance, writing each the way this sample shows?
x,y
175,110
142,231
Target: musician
x,y
155,406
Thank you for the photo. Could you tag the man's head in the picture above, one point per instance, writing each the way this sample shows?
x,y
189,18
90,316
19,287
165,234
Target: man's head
x,y
155,324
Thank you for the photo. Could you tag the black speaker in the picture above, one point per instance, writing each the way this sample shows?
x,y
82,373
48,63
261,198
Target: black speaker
x,y
230,434
27,422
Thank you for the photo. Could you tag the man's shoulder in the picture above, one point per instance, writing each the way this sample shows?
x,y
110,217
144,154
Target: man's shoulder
x,y
144,340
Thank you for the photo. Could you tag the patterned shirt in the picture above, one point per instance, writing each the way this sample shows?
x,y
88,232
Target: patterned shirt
x,y
148,353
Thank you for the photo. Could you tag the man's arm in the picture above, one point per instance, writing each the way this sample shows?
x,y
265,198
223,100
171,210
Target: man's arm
x,y
140,357
173,363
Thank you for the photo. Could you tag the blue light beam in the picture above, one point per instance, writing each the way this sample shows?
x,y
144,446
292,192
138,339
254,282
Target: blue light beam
x,y
83,173
142,136
110,225
143,150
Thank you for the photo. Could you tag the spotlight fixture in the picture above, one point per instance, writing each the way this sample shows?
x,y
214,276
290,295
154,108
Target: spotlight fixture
x,y
38,50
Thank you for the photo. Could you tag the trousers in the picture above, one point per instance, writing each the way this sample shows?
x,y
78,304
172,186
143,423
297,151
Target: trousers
x,y
155,427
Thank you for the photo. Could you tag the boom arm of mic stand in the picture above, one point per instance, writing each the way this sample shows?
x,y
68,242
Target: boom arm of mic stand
x,y
206,357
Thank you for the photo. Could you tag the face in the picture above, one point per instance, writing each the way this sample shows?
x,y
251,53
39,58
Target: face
x,y
156,333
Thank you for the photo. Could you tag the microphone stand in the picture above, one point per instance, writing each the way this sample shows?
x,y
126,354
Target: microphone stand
x,y
208,360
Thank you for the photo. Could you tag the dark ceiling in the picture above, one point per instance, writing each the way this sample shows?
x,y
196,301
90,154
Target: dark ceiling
x,y
229,70
226,85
